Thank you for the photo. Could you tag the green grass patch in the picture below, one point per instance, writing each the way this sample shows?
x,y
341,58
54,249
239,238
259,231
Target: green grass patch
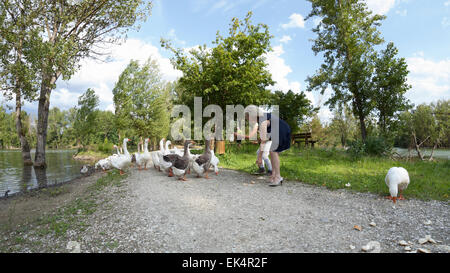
x,y
334,168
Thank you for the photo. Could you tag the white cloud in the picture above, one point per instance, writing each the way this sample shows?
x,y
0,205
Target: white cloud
x,y
430,80
380,6
279,70
172,35
447,3
403,12
296,21
445,22
102,76
285,39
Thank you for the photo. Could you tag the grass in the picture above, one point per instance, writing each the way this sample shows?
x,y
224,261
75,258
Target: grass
x,y
93,155
335,168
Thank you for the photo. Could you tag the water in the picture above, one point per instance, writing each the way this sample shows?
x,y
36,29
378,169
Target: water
x,y
438,153
61,167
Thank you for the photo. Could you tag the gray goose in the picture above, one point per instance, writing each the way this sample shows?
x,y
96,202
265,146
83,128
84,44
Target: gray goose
x,y
179,163
203,162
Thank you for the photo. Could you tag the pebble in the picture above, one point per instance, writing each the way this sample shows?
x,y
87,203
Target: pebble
x,y
373,224
372,247
74,247
407,248
403,243
423,250
352,247
428,222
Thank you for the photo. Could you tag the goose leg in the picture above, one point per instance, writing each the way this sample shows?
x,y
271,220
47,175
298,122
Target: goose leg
x,y
183,178
170,172
401,196
394,199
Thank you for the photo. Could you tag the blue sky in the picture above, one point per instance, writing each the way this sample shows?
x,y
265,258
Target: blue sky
x,y
420,30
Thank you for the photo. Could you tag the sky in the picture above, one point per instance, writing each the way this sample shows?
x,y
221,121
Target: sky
x,y
419,29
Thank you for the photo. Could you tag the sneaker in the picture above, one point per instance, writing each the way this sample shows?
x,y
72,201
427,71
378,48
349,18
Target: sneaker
x,y
261,170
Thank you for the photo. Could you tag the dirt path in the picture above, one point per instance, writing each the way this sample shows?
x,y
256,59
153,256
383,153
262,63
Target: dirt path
x,y
237,212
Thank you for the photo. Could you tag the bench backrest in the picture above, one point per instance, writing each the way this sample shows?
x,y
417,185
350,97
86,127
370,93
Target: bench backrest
x,y
302,135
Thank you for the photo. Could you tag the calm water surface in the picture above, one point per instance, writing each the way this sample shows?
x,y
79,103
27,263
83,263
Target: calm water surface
x,y
61,167
438,153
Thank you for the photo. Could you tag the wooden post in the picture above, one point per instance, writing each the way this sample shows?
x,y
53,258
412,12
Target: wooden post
x,y
220,147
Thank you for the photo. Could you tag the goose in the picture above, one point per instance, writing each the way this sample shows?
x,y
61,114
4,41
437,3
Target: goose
x,y
214,162
180,163
202,163
397,179
142,159
164,165
167,149
177,151
122,161
104,164
155,155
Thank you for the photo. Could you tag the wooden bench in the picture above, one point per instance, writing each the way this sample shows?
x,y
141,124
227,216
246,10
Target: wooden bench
x,y
303,137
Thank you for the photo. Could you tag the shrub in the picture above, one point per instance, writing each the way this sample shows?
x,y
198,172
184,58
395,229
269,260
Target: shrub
x,y
374,145
377,146
356,149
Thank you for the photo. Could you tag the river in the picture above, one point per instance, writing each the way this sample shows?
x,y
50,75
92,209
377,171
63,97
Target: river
x,y
438,153
15,177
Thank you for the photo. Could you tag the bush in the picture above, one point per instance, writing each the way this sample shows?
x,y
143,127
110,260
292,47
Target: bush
x,y
356,149
377,146
374,145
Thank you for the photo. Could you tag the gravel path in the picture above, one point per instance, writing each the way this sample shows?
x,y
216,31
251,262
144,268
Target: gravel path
x,y
237,212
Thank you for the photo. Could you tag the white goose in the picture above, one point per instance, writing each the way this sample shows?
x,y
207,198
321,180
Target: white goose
x,y
142,159
164,165
105,164
397,179
155,155
122,161
214,162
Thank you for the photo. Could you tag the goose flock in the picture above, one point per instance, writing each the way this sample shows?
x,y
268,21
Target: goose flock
x,y
172,161
178,163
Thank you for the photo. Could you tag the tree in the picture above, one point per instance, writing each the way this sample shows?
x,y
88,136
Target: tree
x,y
390,84
19,76
141,101
346,35
233,72
294,108
441,111
343,125
68,31
57,123
85,122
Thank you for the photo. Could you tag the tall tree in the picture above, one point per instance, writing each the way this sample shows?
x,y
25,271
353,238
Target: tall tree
x,y
346,35
70,31
19,78
343,124
294,108
85,122
390,85
233,72
141,101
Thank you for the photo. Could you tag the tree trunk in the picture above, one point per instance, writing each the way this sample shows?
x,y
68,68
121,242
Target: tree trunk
x,y
362,123
43,108
26,155
432,152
